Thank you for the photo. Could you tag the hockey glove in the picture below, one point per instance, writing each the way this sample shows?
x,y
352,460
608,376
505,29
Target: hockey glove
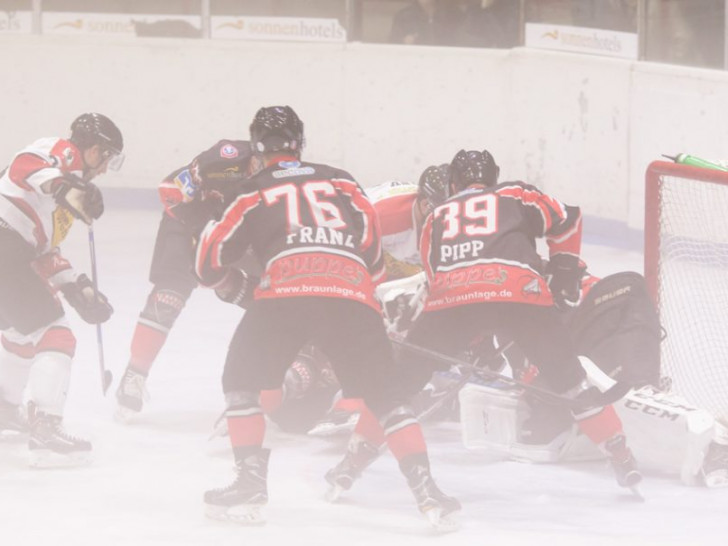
x,y
82,199
237,288
563,274
91,305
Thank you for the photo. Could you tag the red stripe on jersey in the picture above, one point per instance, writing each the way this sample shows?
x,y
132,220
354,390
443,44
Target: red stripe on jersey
x,y
38,232
362,204
395,213
568,242
169,195
214,236
24,166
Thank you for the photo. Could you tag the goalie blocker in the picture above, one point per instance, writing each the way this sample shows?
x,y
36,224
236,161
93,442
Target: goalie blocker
x,y
668,434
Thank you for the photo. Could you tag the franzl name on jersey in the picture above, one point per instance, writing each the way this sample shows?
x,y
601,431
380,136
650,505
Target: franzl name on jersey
x,y
186,185
292,168
321,236
460,251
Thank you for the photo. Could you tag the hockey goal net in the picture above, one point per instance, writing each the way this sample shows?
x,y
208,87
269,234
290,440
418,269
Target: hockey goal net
x,y
686,266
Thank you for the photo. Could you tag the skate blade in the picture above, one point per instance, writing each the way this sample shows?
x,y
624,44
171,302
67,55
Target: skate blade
x,y
243,514
334,492
636,493
717,478
46,459
442,523
124,415
12,436
220,431
329,428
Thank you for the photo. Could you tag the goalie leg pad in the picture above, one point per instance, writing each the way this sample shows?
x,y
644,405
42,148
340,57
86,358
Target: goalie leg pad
x,y
666,433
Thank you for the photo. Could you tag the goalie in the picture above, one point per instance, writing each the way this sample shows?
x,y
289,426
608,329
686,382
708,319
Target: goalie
x,y
616,329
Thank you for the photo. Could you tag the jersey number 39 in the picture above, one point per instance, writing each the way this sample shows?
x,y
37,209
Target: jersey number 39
x,y
475,216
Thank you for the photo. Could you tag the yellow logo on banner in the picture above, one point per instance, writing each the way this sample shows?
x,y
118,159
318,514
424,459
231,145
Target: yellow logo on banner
x,y
62,222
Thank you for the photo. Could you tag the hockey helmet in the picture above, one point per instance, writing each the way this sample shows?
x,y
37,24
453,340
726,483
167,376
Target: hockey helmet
x,y
473,167
276,128
92,128
434,184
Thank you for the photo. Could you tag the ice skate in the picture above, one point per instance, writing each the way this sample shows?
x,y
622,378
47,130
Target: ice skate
x,y
715,466
439,509
51,446
13,422
131,395
242,500
359,455
624,465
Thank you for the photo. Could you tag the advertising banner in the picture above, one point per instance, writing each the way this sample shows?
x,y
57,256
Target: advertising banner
x,y
582,40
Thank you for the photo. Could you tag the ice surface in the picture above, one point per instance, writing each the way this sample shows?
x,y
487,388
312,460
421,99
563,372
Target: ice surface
x,y
146,483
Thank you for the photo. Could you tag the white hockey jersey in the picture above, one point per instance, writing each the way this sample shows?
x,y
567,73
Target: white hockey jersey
x,y
394,203
26,204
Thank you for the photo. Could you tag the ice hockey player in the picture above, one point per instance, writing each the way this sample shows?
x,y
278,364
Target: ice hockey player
x,y
317,233
44,189
402,208
484,276
191,195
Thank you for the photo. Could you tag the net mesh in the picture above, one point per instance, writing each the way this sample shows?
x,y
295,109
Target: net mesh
x,y
692,285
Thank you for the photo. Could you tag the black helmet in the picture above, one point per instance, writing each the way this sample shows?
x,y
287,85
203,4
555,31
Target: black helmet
x,y
473,167
434,184
276,128
91,128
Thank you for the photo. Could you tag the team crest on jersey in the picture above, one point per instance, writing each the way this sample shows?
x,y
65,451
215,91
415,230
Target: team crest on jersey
x,y
68,156
228,151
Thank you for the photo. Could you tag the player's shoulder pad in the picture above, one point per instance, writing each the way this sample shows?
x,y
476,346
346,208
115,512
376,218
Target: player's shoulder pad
x,y
390,189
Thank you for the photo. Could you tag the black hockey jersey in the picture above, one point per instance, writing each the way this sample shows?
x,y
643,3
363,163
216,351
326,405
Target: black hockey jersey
x,y
198,191
480,245
311,226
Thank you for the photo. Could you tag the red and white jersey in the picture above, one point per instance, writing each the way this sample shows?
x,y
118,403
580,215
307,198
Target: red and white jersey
x,y
26,201
309,224
480,245
394,203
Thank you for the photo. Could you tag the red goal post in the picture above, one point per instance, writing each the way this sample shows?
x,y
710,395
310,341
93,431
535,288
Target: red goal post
x,y
686,267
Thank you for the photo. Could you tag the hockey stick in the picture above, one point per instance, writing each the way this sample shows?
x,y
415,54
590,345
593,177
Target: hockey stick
x,y
453,390
607,397
106,376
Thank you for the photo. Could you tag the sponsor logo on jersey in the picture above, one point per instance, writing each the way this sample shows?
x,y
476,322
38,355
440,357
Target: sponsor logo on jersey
x,y
532,287
289,164
286,173
62,222
186,185
230,172
228,151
